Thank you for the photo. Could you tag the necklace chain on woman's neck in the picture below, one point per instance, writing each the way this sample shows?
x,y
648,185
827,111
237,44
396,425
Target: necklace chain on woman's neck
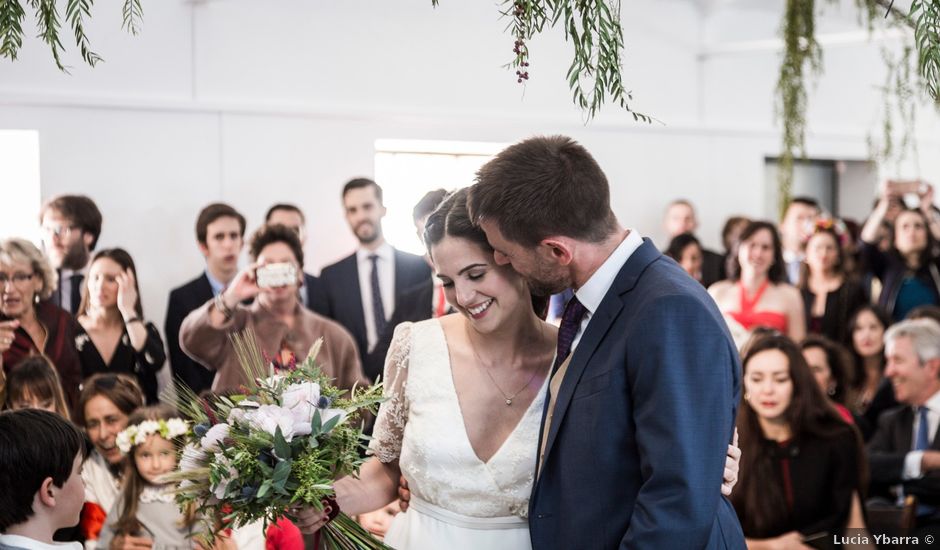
x,y
508,398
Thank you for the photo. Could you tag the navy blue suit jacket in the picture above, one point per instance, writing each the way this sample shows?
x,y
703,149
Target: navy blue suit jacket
x,y
341,300
636,450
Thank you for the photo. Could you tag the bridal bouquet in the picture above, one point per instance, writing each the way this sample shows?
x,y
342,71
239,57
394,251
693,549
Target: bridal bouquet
x,y
280,443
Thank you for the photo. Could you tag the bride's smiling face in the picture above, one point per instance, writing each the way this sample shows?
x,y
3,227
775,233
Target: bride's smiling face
x,y
484,292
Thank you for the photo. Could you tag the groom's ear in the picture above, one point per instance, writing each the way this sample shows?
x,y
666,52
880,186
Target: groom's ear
x,y
559,249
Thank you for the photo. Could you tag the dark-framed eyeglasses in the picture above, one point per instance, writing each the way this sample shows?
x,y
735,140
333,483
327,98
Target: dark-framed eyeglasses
x,y
16,278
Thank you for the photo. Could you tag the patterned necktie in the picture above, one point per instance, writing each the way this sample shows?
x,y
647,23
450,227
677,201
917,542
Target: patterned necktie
x,y
378,309
570,323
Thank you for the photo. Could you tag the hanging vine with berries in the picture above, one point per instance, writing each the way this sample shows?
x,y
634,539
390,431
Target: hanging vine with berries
x,y
593,29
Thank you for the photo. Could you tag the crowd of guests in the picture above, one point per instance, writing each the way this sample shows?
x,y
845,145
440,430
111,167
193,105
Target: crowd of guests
x,y
837,323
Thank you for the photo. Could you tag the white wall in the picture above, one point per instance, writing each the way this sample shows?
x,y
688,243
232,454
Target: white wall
x,y
257,102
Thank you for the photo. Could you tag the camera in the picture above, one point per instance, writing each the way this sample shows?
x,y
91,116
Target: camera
x,y
280,274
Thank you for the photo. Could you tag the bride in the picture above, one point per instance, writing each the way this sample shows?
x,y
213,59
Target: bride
x,y
466,393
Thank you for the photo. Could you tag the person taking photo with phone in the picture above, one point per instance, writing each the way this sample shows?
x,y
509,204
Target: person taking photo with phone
x,y
910,270
282,326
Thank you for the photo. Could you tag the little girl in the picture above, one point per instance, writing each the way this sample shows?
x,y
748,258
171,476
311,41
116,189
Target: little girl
x,y
34,384
146,508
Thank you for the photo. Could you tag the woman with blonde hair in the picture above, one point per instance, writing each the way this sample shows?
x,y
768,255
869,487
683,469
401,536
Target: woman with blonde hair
x,y
29,323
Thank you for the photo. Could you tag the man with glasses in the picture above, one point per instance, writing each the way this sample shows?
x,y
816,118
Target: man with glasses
x,y
70,225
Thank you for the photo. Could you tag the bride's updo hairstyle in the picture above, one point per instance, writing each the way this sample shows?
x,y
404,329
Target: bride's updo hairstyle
x,y
452,219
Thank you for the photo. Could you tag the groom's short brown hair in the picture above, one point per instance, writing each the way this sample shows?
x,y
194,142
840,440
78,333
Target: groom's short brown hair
x,y
544,186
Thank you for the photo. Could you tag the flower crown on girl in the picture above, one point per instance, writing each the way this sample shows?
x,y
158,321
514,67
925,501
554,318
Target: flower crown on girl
x,y
137,434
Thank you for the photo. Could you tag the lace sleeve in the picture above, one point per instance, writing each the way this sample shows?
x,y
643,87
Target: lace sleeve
x,y
393,414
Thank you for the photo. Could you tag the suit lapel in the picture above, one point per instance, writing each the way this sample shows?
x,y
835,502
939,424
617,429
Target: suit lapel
x,y
598,327
354,296
906,427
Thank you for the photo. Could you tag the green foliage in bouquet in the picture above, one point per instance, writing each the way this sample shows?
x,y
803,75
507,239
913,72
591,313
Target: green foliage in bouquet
x,y
279,443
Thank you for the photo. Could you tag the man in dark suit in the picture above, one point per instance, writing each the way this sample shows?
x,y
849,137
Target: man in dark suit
x,y
293,217
220,233
905,451
362,290
70,226
646,381
680,218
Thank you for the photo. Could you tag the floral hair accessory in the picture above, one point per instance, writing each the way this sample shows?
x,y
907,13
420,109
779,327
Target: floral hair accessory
x,y
835,225
137,434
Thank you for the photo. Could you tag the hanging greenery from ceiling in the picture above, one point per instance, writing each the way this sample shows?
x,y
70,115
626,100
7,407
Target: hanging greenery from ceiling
x,y
901,87
48,23
593,29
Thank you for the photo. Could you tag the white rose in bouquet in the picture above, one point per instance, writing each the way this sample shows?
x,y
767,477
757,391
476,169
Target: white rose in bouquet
x,y
268,418
213,438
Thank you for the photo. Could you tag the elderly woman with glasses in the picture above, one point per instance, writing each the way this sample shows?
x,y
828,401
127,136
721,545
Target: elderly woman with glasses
x,y
29,323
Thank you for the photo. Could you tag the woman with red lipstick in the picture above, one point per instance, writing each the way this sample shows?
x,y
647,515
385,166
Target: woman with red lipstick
x,y
29,323
756,293
113,336
801,462
106,403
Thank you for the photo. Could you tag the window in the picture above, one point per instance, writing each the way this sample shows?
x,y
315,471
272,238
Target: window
x,y
19,178
407,169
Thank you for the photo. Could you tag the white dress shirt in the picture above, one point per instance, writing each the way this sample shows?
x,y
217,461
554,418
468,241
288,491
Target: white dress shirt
x,y
18,541
912,459
593,291
386,266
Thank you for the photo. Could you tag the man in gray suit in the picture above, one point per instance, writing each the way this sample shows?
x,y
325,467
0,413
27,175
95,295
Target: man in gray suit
x,y
41,456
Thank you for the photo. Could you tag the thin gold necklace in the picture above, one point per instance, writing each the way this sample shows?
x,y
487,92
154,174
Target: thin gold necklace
x,y
507,398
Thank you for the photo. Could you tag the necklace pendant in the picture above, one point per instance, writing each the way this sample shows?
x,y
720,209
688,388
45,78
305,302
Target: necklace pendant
x,y
508,402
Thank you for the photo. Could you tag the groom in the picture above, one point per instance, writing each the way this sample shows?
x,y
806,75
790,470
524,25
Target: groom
x,y
646,380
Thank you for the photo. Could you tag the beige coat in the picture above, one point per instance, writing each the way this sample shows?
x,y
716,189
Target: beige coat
x,y
212,347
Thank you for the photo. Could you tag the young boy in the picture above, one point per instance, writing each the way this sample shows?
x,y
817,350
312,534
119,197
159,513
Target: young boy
x,y
41,491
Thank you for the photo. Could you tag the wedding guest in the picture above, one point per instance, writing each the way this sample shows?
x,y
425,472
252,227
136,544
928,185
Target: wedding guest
x,y
113,335
795,229
40,472
905,449
680,218
70,226
280,323
801,463
33,325
687,251
909,270
873,392
830,294
832,369
311,295
107,401
363,290
34,384
220,232
756,292
146,514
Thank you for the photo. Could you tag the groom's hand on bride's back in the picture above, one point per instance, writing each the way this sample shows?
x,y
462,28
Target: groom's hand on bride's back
x,y
732,463
404,495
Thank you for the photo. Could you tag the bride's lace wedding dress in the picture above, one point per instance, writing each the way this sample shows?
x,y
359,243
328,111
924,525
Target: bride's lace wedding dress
x,y
458,502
